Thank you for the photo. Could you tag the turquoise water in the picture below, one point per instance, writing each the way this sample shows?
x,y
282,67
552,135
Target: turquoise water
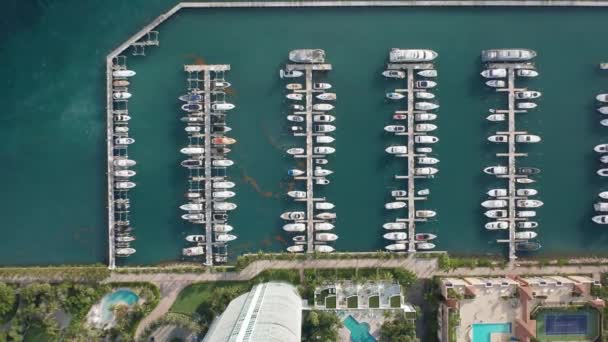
x,y
359,332
483,332
123,296
53,119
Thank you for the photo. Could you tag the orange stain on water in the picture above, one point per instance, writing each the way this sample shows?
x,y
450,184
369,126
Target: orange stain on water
x,y
254,184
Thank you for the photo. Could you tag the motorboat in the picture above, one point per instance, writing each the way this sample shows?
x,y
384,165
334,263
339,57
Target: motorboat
x,y
496,225
295,150
124,252
425,171
225,237
195,238
603,110
507,55
603,194
321,172
527,138
424,237
527,235
424,95
527,246
425,106
322,106
602,172
496,213
192,163
525,170
295,249
393,74
526,192
601,206
297,129
294,227
192,150
423,192
498,138
219,84
397,236
326,216
326,237
496,170
396,149
425,84
295,172
124,141
427,160
425,116
191,98
125,238
193,251
524,180
394,128
120,83
194,217
194,195
394,225
496,83
425,213
191,107
222,228
323,226
124,185
396,247
321,86
296,194
494,73
222,162
527,224
425,127
307,56
193,129
601,148
293,215
526,213
600,219
224,206
425,245
290,74
427,73
327,96
323,128
528,94
526,73
425,139
223,194
324,139
496,117
295,96
297,107
424,149
497,192
494,204
191,206
124,173
223,141
323,150
323,118
299,238
293,86
529,203
526,105
222,106
397,55
122,118
394,96
123,73
220,217
121,129
398,193
324,206
395,205
602,97
192,119
324,249
321,181
604,122
121,95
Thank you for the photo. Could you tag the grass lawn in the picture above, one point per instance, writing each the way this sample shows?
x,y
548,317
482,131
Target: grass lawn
x,y
395,301
192,296
374,302
592,329
330,302
352,302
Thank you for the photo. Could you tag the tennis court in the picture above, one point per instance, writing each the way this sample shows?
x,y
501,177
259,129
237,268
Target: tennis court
x,y
567,324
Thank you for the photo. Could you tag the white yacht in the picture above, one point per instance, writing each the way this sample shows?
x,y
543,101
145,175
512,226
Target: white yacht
x,y
424,149
604,122
526,213
322,107
603,194
529,203
294,227
192,129
527,224
323,150
295,96
121,95
324,128
601,206
224,206
307,56
394,128
394,225
124,252
507,55
602,97
222,106
427,73
297,107
425,127
397,55
425,95
427,160
494,73
498,138
398,193
496,170
290,74
293,86
295,248
297,194
326,237
123,73
601,148
526,105
527,138
223,185
393,74
496,117
425,106
425,139
396,149
222,228
321,172
423,192
395,205
496,213
396,247
225,237
326,216
494,204
121,129
192,163
327,96
495,225
323,226
324,139
322,181
425,116
324,206
222,162
324,249
497,192
195,238
191,206
394,96
295,172
124,141
600,219
425,213
526,192
321,86
526,73
525,235
323,118
192,150
527,94
295,151
524,180
293,215
193,251
223,194
397,236
602,172
425,245
124,173
603,110
496,83
124,185
425,171
425,84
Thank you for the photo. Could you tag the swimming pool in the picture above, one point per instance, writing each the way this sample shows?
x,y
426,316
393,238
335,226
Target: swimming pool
x,y
359,332
483,332
121,296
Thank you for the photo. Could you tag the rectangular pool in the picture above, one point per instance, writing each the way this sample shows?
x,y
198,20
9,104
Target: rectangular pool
x,y
483,332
